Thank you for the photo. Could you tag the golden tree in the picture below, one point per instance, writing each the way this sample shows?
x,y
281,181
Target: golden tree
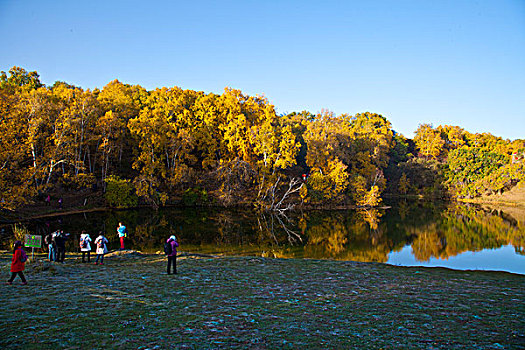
x,y
428,140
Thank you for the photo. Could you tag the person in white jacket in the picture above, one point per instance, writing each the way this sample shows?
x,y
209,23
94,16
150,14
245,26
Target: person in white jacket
x,y
102,249
85,246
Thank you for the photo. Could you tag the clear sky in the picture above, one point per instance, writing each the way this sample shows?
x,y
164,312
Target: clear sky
x,y
457,62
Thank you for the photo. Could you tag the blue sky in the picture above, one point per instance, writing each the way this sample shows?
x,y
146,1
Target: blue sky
x,y
440,62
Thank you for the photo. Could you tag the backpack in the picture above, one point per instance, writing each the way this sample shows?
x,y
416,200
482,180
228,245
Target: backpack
x,y
83,243
168,249
23,256
100,243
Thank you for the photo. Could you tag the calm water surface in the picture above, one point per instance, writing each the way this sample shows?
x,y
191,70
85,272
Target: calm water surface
x,y
407,234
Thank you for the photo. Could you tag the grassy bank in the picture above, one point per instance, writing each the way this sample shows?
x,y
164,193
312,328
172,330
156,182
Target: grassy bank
x,y
257,303
515,197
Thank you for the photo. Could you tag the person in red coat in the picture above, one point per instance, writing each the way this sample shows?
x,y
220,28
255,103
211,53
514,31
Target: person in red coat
x,y
17,265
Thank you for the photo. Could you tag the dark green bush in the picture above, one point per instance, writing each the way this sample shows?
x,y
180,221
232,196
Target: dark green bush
x,y
194,196
120,193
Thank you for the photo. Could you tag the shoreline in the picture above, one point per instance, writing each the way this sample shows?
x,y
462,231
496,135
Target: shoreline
x,y
481,201
23,216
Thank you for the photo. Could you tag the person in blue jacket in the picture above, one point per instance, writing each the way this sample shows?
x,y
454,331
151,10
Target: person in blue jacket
x,y
122,232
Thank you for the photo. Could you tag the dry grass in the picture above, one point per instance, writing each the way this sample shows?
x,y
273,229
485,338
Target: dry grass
x,y
258,303
515,197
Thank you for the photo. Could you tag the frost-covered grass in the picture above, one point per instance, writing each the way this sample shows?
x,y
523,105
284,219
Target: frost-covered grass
x,y
258,303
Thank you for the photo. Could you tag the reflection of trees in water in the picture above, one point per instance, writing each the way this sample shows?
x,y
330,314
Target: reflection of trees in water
x,y
481,229
427,244
279,233
464,228
330,234
433,231
403,209
228,229
367,235
269,223
147,233
349,235
370,216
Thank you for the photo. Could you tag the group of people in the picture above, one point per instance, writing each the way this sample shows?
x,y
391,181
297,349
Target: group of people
x,y
56,243
100,244
170,247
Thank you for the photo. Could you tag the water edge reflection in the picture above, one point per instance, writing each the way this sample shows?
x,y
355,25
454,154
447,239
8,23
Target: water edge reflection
x,y
432,231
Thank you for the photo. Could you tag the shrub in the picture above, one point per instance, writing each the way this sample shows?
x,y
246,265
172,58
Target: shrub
x,y
120,193
194,196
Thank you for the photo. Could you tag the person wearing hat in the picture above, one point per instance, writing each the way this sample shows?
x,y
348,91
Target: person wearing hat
x,y
18,263
170,249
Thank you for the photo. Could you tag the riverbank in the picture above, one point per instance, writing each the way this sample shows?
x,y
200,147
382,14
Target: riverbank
x,y
72,203
90,201
258,303
515,197
511,202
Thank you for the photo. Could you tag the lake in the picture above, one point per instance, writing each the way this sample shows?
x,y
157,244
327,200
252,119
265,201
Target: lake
x,y
415,233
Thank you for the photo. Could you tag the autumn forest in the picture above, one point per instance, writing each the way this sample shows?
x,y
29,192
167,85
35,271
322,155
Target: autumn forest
x,y
174,146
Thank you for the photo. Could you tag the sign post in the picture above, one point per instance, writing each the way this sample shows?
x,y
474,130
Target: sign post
x,y
33,241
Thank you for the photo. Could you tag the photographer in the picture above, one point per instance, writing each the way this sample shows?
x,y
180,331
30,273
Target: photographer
x,y
60,240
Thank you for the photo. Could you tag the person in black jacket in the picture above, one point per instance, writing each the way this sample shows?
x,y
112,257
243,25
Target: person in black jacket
x,y
60,240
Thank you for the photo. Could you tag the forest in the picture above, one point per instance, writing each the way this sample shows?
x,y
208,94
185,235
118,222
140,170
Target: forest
x,y
171,146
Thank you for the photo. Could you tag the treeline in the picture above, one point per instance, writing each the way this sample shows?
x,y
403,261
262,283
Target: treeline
x,y
170,145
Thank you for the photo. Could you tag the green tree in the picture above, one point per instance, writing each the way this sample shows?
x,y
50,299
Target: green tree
x,y
120,193
467,165
20,78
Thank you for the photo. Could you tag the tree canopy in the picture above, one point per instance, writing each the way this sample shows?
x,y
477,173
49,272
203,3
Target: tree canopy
x,y
169,143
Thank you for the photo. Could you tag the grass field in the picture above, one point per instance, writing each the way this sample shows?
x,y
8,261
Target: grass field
x,y
257,303
514,197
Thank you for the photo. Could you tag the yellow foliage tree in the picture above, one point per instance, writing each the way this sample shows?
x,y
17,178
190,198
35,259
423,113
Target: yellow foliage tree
x,y
428,140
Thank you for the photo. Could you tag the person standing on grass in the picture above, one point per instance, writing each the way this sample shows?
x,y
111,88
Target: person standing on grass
x,y
102,249
60,240
122,232
85,246
170,248
50,241
18,263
